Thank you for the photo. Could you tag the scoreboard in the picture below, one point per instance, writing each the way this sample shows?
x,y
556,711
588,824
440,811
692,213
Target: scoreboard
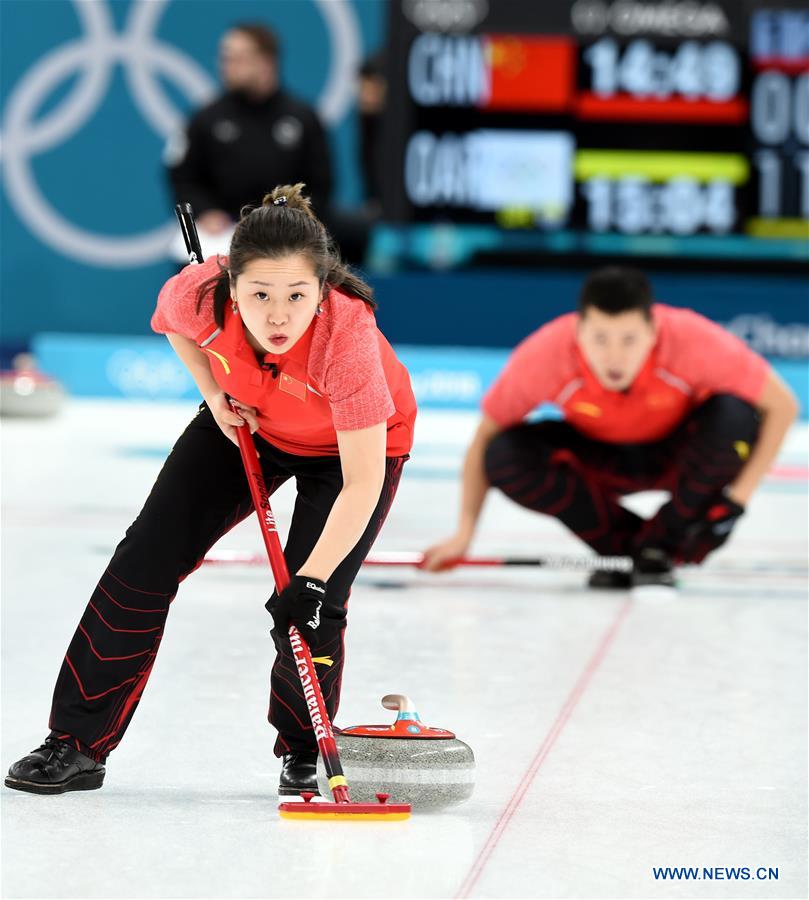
x,y
674,119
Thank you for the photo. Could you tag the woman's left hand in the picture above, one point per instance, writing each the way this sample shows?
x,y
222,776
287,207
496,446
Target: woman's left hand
x,y
248,413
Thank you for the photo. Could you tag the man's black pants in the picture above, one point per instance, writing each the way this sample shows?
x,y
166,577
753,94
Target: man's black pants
x,y
552,468
200,494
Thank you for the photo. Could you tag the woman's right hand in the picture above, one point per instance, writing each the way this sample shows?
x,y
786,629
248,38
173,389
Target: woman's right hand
x,y
228,420
443,556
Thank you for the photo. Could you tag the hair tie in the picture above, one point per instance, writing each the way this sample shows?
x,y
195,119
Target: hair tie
x,y
280,201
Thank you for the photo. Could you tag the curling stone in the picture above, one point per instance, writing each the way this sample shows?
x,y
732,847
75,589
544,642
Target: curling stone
x,y
426,767
27,392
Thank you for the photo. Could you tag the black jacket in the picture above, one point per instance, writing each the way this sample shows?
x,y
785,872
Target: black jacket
x,y
236,150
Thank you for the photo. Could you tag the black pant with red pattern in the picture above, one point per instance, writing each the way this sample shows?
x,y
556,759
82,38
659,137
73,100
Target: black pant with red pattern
x,y
552,468
200,494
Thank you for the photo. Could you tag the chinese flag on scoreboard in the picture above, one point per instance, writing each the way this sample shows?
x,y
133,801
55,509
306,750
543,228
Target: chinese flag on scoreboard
x,y
529,73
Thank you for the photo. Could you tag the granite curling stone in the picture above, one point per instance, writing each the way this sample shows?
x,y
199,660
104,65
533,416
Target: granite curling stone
x,y
25,392
426,767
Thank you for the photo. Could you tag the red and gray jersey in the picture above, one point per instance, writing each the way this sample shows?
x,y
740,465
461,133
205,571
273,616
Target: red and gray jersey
x,y
693,359
342,375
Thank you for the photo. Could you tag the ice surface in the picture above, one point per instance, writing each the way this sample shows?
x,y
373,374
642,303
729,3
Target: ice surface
x,y
641,733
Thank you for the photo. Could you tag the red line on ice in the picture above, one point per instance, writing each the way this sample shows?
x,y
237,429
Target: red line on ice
x,y
545,748
789,473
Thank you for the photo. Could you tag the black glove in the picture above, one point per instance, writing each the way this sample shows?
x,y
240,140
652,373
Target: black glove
x,y
712,530
298,604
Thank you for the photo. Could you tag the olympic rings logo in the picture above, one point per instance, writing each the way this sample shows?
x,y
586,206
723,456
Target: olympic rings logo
x,y
143,57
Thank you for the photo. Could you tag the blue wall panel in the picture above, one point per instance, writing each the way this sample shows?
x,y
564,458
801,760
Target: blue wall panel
x,y
82,139
499,308
146,368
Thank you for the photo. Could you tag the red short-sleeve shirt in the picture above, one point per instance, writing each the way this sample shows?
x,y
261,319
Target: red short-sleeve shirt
x,y
341,375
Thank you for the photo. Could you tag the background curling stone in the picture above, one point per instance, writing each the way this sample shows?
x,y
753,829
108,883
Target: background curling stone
x,y
26,392
426,767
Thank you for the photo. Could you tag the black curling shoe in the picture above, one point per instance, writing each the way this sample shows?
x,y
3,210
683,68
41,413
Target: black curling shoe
x,y
54,768
653,568
299,773
609,580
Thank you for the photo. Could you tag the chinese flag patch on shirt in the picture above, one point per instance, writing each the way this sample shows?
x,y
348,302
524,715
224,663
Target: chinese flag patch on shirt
x,y
290,385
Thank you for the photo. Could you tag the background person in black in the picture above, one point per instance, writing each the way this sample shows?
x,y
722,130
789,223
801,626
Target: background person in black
x,y
352,225
254,136
372,90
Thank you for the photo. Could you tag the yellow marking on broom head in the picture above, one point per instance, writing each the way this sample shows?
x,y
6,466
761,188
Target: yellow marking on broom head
x,y
368,812
365,817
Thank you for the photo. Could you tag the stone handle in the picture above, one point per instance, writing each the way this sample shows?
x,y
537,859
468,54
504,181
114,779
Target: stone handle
x,y
399,702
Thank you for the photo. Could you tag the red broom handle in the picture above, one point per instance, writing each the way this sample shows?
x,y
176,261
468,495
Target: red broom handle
x,y
300,651
261,500
583,563
411,559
